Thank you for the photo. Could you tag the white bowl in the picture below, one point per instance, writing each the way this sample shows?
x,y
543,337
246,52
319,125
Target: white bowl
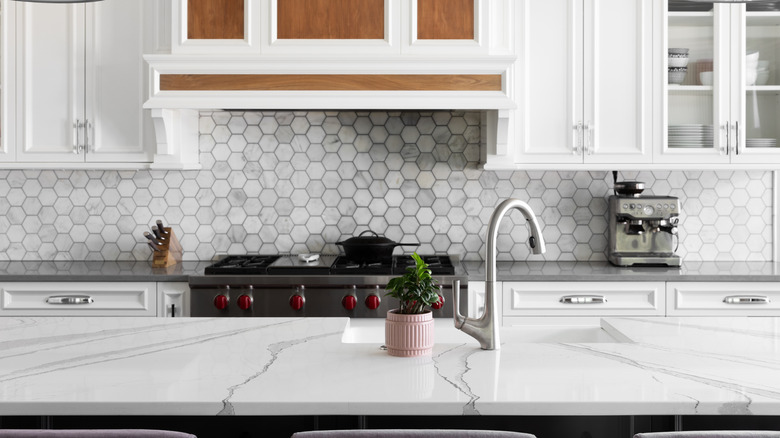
x,y
676,76
705,78
762,77
751,60
751,74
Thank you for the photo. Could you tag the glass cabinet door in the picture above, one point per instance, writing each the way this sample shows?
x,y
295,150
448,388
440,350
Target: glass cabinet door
x,y
756,85
696,90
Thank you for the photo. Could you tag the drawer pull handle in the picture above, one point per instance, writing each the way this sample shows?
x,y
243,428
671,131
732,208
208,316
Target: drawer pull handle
x,y
583,299
70,299
745,299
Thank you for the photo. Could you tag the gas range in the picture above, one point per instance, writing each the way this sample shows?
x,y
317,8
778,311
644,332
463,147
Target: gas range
x,y
285,286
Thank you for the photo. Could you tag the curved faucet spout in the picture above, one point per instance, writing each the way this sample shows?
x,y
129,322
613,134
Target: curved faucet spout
x,y
485,328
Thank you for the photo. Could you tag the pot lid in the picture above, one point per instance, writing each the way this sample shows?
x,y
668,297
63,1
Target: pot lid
x,y
360,239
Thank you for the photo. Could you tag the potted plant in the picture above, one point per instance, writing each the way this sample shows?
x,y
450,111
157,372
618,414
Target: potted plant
x,y
409,329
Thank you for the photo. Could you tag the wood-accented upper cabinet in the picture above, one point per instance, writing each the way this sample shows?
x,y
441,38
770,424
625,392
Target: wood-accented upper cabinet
x,y
330,54
322,27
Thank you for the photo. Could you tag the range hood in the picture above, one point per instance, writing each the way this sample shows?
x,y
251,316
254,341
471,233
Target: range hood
x,y
181,85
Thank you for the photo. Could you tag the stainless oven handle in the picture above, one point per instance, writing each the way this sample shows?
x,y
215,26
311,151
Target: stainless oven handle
x,y
70,299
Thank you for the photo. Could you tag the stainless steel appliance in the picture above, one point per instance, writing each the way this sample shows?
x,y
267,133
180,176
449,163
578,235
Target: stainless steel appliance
x,y
285,286
643,230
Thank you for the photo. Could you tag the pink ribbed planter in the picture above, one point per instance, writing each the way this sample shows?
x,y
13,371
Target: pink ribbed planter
x,y
409,335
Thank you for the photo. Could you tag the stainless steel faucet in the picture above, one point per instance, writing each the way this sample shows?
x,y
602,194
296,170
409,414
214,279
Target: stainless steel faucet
x,y
485,328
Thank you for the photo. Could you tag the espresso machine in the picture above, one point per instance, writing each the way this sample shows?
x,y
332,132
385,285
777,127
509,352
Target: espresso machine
x,y
642,229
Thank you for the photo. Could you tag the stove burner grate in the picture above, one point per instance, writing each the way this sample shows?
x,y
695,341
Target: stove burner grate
x,y
242,265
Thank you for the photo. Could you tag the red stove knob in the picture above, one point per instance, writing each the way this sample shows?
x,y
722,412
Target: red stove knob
x,y
438,304
221,302
372,302
244,302
349,302
296,302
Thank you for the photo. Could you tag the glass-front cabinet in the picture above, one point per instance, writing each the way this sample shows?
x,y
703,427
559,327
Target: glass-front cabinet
x,y
722,93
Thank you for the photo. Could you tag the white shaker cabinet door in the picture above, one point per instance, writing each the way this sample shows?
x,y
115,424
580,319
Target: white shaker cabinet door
x,y
618,81
118,130
50,81
550,82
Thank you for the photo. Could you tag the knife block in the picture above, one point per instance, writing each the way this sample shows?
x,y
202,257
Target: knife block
x,y
170,253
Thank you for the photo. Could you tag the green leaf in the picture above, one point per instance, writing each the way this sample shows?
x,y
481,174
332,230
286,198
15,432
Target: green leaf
x,y
416,289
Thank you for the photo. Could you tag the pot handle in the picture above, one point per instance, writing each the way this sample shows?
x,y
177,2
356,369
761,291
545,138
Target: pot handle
x,y
408,244
368,231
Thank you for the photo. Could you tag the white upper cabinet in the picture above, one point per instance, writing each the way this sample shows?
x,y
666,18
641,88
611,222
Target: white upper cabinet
x,y
724,108
80,85
583,84
7,93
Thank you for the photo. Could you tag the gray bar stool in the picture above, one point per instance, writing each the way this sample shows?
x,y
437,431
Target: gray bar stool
x,y
712,434
410,433
92,433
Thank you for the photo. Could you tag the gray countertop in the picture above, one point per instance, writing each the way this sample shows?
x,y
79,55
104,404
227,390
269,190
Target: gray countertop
x,y
604,271
506,271
97,271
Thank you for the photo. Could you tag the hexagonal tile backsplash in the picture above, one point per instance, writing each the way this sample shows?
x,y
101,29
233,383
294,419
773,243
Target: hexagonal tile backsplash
x,y
295,182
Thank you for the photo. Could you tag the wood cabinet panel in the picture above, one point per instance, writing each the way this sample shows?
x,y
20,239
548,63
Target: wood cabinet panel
x,y
215,19
445,19
330,19
180,82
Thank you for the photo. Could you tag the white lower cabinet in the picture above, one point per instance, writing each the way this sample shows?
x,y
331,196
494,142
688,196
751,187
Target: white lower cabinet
x,y
173,300
563,298
78,299
723,299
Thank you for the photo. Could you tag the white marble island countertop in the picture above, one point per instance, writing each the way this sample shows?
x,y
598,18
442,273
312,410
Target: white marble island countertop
x,y
275,366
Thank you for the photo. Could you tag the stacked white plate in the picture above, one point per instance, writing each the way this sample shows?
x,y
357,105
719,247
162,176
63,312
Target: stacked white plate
x,y
761,142
690,136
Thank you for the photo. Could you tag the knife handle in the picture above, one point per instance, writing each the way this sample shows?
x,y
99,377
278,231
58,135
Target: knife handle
x,y
159,233
161,228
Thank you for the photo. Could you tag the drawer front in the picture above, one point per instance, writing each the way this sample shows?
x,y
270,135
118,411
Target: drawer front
x,y
723,298
78,298
584,299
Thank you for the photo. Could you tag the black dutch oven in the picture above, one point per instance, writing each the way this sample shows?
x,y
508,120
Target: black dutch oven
x,y
370,249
